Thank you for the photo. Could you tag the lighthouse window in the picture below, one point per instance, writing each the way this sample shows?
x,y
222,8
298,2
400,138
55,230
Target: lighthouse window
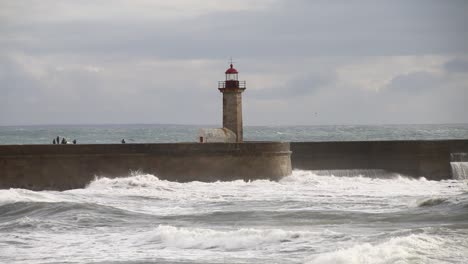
x,y
231,76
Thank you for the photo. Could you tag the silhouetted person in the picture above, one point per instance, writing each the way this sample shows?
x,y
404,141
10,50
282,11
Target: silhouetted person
x,y
123,141
74,141
53,141
64,141
58,140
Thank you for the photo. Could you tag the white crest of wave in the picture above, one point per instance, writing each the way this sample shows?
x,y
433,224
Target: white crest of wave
x,y
307,176
298,177
22,195
348,193
245,238
395,186
133,181
415,248
305,186
142,181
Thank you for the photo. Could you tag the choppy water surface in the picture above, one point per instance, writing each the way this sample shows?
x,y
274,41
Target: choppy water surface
x,y
93,134
303,218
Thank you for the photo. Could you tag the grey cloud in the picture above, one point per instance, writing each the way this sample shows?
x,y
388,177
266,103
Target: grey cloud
x,y
12,77
297,31
77,95
17,87
425,96
289,28
420,97
456,66
303,85
415,82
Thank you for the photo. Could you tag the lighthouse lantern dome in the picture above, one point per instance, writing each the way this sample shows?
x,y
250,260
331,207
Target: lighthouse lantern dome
x,y
231,74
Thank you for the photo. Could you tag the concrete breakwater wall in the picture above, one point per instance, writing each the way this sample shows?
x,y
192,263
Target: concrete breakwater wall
x,y
430,159
61,167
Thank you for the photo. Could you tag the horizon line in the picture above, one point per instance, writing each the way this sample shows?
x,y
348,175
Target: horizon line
x,y
214,125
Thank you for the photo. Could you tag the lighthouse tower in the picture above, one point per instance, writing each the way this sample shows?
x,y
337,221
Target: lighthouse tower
x,y
232,90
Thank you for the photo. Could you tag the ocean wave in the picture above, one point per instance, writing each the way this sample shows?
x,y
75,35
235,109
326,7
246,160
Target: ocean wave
x,y
22,195
458,201
432,202
41,215
298,177
133,181
292,193
301,175
415,248
145,181
28,223
246,238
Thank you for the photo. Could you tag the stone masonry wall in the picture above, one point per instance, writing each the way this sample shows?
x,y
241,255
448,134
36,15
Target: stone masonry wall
x,y
232,113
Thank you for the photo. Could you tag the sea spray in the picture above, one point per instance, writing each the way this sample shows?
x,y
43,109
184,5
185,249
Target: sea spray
x,y
459,170
301,218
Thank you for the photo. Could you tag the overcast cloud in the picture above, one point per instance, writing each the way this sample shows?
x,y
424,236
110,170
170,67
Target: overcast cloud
x,y
305,62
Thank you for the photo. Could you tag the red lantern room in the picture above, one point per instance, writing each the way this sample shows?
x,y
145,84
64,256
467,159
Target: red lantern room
x,y
231,74
232,81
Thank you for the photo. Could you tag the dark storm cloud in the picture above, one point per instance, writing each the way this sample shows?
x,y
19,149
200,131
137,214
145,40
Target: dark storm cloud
x,y
289,28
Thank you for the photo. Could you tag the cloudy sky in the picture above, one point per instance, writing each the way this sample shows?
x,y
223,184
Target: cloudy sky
x,y
305,62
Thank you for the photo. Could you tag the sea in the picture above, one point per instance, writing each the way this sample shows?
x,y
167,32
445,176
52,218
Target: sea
x,y
306,217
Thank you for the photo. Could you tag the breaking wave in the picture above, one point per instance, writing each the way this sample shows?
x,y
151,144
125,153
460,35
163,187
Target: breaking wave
x,y
415,248
456,201
325,219
245,238
136,181
432,202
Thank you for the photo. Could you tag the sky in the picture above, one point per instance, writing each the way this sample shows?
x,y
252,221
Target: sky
x,y
305,62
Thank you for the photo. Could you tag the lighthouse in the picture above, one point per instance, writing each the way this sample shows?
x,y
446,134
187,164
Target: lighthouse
x,y
232,89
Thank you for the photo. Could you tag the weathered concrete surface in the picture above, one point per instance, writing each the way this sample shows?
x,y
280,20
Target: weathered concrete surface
x,y
232,111
61,167
430,159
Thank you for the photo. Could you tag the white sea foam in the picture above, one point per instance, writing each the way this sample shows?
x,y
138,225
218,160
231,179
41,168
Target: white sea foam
x,y
136,181
22,195
245,238
261,220
460,170
303,179
292,192
415,248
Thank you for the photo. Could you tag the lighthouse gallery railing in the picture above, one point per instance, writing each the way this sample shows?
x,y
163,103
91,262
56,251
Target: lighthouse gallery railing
x,y
231,84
